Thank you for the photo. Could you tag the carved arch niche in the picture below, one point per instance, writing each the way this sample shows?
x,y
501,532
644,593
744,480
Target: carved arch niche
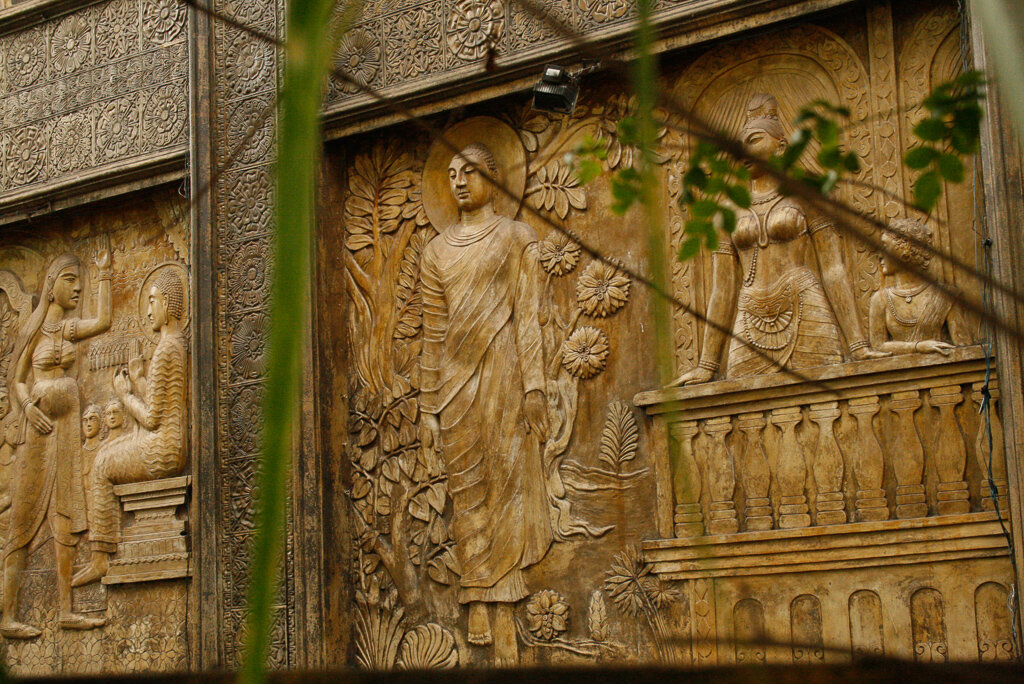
x,y
797,65
930,54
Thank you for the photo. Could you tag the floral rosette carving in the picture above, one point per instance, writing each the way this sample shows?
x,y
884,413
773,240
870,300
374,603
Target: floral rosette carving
x,y
585,352
117,129
547,615
72,135
474,26
26,57
558,254
164,117
70,44
359,57
602,290
603,11
163,21
26,154
413,43
249,345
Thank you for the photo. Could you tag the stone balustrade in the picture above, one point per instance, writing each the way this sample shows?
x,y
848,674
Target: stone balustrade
x,y
894,438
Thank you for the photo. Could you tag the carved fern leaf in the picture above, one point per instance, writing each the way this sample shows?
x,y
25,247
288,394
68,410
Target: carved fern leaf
x,y
408,294
620,438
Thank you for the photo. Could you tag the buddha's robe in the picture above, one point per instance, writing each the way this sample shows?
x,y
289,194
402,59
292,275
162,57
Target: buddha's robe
x,y
482,353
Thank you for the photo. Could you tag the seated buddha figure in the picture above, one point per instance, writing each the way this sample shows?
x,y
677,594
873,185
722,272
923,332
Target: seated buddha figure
x,y
909,314
778,282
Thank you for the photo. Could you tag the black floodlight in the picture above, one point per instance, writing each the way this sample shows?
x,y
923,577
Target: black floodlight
x,y
556,91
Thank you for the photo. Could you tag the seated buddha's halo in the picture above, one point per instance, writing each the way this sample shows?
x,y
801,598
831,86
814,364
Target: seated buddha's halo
x,y
508,151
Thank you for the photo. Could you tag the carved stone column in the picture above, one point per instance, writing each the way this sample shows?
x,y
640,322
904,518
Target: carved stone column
x,y
791,469
868,466
830,503
994,467
907,457
950,452
686,484
754,473
721,477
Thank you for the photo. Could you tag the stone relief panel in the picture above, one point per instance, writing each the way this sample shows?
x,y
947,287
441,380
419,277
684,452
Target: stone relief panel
x,y
90,92
487,449
95,400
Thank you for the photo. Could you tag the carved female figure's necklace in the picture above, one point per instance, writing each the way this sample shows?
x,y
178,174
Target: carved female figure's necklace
x,y
908,294
909,322
763,240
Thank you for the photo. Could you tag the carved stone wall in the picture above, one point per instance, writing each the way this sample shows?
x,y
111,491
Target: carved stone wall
x,y
147,627
93,93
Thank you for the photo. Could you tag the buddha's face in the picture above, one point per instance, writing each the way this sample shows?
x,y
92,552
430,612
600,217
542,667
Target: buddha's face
x,y
67,289
91,424
113,414
156,310
470,188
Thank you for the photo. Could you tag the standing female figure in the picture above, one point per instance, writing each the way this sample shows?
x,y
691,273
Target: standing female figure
x,y
785,310
46,481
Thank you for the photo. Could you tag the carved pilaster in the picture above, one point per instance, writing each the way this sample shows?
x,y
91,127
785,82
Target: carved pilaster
x,y
689,519
830,503
721,477
950,452
868,465
908,456
754,472
791,469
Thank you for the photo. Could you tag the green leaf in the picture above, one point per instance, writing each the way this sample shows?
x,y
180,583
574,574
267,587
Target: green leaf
x,y
831,178
920,157
828,133
702,209
689,249
927,190
720,166
728,220
830,157
930,129
696,177
740,195
951,168
797,144
587,170
851,162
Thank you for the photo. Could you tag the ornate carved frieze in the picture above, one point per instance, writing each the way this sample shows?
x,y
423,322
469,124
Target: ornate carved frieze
x,y
92,93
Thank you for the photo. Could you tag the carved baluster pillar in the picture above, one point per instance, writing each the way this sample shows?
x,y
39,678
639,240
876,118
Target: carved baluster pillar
x,y
754,472
868,466
686,484
791,469
908,457
721,477
830,505
950,451
998,460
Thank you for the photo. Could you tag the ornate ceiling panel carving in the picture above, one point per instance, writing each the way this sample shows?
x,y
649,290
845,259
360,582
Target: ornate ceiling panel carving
x,y
87,93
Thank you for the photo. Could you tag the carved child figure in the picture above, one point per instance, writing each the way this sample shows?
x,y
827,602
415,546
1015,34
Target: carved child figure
x,y
909,313
113,417
158,402
92,423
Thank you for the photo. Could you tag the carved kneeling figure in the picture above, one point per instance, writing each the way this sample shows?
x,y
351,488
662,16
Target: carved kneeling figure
x,y
157,400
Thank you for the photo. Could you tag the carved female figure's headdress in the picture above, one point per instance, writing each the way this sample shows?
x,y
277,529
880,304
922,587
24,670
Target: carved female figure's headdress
x,y
763,115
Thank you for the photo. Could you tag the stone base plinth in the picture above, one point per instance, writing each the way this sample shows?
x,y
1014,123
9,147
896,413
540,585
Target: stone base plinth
x,y
153,545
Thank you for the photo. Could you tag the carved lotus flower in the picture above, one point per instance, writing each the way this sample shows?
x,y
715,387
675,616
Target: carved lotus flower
x,y
547,615
602,290
558,255
585,353
358,56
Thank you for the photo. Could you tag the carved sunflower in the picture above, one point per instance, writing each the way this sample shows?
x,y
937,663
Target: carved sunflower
x,y
558,255
547,615
602,290
585,353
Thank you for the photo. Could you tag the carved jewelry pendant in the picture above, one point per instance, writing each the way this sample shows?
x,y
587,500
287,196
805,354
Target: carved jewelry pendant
x,y
909,322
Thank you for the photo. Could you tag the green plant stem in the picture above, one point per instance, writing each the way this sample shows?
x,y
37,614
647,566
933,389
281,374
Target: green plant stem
x,y
307,53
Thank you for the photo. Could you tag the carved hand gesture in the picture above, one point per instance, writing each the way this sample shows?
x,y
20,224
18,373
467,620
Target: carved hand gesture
x,y
103,260
536,409
933,347
38,419
136,369
695,376
122,383
430,443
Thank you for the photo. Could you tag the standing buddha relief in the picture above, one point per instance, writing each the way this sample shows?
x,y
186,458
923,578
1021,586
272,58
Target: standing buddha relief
x,y
786,309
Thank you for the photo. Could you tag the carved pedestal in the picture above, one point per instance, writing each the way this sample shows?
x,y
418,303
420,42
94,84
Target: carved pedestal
x,y
153,545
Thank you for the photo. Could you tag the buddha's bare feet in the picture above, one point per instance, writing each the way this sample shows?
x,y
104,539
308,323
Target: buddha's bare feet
x,y
79,621
93,572
506,646
479,625
18,630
